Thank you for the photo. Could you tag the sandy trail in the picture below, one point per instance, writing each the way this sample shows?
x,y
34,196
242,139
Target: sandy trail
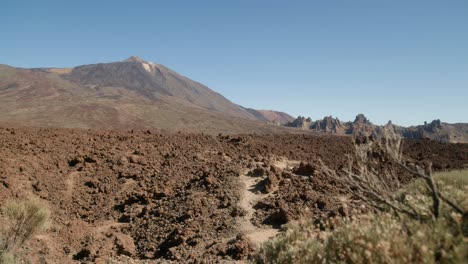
x,y
70,182
106,225
250,196
248,200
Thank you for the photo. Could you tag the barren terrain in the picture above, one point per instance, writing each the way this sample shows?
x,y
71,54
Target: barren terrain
x,y
155,196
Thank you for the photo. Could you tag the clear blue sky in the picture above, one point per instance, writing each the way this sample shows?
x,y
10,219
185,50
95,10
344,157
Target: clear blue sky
x,y
401,60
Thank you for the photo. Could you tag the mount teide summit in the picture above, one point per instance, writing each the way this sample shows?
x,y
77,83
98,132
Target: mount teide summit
x,y
155,82
120,95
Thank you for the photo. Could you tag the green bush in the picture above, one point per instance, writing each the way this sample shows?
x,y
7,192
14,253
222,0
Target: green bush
x,y
22,219
381,238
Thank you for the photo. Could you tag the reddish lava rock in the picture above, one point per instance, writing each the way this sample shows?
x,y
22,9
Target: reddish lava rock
x,y
173,196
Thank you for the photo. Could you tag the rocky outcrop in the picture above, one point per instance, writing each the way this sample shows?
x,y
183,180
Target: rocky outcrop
x,y
300,122
438,131
362,124
435,130
329,125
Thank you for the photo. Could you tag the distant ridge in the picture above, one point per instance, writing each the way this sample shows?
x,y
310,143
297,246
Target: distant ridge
x,y
436,130
274,117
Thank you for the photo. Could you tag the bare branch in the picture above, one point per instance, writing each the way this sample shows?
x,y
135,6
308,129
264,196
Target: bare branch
x,y
376,187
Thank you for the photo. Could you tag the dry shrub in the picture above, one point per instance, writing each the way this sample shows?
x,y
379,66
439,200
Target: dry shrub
x,y
23,219
424,222
381,238
374,185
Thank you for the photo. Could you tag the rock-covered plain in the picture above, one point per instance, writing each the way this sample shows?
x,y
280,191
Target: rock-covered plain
x,y
152,196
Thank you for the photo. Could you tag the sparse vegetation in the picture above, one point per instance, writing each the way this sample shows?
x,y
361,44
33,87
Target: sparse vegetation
x,y
375,186
147,196
425,221
22,219
383,237
421,222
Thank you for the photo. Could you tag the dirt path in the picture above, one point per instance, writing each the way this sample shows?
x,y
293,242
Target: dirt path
x,y
248,200
70,182
250,196
106,225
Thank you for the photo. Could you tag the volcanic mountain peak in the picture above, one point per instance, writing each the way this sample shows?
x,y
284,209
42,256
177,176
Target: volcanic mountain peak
x,y
135,59
147,65
129,93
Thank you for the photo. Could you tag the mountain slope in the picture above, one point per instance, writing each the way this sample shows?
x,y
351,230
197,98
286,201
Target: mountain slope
x,y
276,116
155,82
119,95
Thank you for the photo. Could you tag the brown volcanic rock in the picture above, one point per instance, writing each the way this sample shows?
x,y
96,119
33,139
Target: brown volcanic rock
x,y
300,122
329,125
361,124
173,196
305,169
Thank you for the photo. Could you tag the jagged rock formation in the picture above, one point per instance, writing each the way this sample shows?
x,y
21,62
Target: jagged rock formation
x,y
300,122
361,123
436,130
329,125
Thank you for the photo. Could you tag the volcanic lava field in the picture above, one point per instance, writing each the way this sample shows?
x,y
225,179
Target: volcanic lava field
x,y
154,196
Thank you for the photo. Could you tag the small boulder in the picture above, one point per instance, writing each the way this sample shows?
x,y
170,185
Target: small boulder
x,y
305,169
125,245
259,171
276,170
134,159
271,183
122,161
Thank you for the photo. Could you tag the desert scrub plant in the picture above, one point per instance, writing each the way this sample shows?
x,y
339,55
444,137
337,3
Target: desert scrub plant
x,y
380,237
22,219
367,180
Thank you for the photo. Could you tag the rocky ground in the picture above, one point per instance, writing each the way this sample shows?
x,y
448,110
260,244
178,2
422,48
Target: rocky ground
x,y
148,196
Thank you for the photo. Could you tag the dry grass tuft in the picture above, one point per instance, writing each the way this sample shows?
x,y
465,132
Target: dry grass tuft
x,y
23,218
